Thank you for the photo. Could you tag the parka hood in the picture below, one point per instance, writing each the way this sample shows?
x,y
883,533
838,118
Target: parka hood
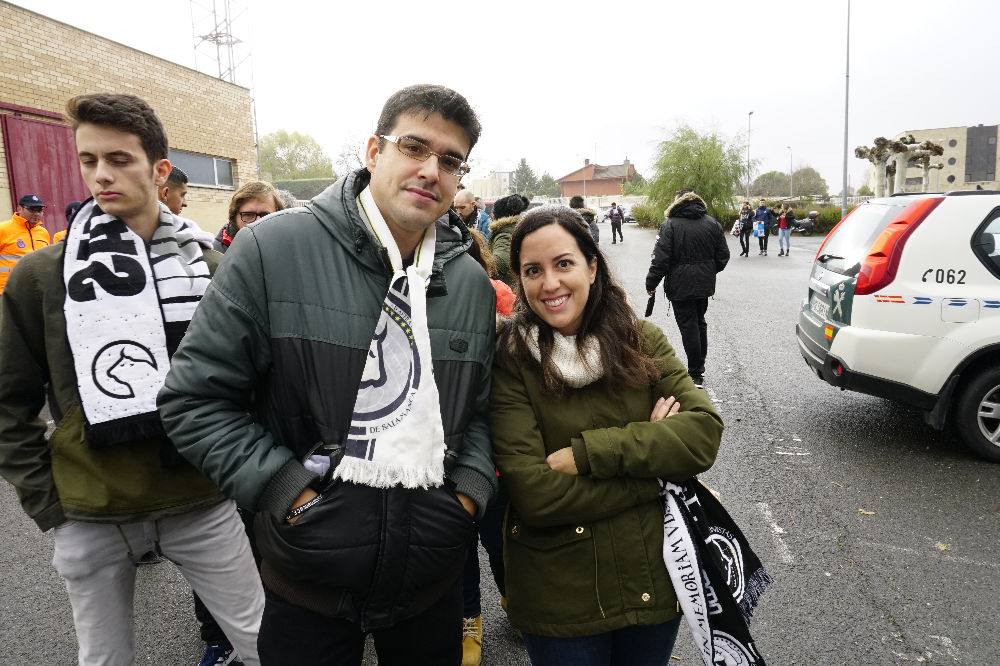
x,y
687,205
503,223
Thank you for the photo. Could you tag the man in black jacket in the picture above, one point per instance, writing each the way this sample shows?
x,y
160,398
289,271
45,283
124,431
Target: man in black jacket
x,y
348,404
690,249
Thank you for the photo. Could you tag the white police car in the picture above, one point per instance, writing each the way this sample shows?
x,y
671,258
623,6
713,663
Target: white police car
x,y
904,303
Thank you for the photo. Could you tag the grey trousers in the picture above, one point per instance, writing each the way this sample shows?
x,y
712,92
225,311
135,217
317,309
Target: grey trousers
x,y
208,546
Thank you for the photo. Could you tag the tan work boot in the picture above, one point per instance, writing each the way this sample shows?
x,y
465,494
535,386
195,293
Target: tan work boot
x,y
472,640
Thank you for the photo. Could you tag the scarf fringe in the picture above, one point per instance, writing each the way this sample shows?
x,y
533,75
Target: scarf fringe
x,y
752,592
384,475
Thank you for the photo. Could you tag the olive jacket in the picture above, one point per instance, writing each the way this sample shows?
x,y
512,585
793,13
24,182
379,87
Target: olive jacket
x,y
584,554
500,232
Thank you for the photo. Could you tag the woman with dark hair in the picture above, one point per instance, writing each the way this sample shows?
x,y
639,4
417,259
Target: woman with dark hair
x,y
590,408
506,212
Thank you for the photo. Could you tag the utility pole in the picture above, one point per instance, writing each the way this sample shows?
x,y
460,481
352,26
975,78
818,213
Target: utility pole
x,y
791,175
847,93
748,154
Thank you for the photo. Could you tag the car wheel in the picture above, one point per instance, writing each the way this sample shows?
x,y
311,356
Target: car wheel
x,y
978,414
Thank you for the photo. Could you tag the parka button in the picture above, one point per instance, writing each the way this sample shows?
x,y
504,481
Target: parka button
x,y
513,531
646,597
579,530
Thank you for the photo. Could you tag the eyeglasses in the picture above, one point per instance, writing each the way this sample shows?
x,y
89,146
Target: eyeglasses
x,y
252,216
417,150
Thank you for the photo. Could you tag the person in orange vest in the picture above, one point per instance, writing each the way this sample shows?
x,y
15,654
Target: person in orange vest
x,y
21,234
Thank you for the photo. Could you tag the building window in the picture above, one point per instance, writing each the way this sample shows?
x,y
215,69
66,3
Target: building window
x,y
951,179
951,161
204,169
986,243
952,143
919,180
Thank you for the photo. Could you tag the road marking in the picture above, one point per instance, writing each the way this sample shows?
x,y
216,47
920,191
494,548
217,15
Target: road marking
x,y
784,554
937,555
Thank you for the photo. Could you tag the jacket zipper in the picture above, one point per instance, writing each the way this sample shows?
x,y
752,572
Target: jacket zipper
x,y
597,590
378,557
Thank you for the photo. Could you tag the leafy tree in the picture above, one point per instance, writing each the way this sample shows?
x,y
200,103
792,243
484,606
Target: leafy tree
x,y
708,163
636,184
292,156
524,181
808,182
770,184
548,187
865,191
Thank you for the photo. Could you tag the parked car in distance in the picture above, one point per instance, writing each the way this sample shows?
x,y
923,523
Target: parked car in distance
x,y
904,303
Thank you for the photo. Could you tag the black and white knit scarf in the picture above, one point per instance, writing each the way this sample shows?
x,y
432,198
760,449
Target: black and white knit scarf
x,y
127,308
717,577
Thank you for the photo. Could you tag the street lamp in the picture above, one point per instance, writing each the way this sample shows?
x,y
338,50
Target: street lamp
x,y
791,175
847,93
748,154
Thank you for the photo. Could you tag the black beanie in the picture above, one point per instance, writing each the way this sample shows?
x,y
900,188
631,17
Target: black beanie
x,y
509,206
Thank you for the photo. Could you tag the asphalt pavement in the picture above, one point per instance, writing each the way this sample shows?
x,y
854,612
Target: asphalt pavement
x,y
881,533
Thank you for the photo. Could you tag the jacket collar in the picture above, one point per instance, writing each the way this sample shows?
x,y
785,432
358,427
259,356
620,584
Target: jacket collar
x,y
503,223
337,210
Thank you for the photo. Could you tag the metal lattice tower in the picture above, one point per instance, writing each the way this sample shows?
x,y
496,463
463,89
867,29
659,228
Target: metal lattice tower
x,y
218,50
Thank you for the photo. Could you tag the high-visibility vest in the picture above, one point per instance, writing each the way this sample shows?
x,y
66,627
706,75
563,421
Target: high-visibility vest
x,y
17,240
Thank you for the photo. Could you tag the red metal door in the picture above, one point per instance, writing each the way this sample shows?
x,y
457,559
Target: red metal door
x,y
41,159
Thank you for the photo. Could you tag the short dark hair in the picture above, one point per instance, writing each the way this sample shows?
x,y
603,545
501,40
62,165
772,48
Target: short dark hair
x,y
607,314
576,202
126,113
177,177
430,99
509,206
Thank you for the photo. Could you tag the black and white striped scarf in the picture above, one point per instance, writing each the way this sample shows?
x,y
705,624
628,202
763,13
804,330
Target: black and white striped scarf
x,y
127,307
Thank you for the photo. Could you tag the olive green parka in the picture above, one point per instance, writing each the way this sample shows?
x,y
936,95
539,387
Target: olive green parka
x,y
584,554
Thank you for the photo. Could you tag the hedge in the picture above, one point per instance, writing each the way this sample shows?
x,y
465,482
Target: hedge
x,y
305,188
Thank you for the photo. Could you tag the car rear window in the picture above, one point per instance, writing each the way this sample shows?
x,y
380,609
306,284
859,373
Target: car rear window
x,y
848,244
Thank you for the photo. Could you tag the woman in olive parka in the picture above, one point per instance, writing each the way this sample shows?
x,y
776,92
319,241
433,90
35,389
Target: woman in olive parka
x,y
590,407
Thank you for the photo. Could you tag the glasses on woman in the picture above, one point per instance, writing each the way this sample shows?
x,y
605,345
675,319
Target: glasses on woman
x,y
252,216
416,149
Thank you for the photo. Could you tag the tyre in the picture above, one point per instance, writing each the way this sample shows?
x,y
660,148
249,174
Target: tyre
x,y
977,414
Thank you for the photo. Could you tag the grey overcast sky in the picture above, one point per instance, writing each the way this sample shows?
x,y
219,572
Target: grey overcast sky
x,y
557,82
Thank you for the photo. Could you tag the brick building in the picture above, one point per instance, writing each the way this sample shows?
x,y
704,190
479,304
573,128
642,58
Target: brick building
x,y
44,63
594,180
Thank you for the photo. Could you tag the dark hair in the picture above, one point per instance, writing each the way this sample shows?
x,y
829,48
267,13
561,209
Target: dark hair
x,y
480,251
509,206
255,189
430,99
606,316
177,177
576,202
126,113
71,209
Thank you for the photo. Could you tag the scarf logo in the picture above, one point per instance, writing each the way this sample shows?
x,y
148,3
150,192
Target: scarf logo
x,y
120,367
390,380
730,558
20,243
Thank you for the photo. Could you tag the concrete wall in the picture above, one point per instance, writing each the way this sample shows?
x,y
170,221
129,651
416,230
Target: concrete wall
x,y
43,63
944,136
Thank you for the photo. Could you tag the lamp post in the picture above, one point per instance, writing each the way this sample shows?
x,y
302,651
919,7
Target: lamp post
x,y
847,93
791,175
748,154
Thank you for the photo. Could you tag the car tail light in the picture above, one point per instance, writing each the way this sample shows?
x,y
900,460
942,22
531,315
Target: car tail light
x,y
828,332
829,235
838,369
878,268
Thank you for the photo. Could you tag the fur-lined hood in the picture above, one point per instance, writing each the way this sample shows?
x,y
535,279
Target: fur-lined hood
x,y
503,223
684,201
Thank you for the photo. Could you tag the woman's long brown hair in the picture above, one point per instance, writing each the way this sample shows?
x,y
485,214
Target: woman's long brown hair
x,y
607,315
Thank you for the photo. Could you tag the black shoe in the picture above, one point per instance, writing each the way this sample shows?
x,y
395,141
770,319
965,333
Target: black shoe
x,y
781,253
699,380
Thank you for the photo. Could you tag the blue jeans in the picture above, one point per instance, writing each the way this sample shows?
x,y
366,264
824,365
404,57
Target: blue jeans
x,y
644,645
784,239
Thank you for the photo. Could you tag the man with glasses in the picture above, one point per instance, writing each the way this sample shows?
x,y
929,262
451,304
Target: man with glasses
x,y
336,380
251,202
21,234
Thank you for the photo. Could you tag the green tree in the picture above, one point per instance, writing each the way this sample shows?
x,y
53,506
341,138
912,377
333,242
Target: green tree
x,y
293,156
548,187
770,184
636,184
708,163
808,182
865,191
524,181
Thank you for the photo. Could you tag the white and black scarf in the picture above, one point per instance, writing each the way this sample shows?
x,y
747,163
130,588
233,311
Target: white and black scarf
x,y
127,308
396,436
717,577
